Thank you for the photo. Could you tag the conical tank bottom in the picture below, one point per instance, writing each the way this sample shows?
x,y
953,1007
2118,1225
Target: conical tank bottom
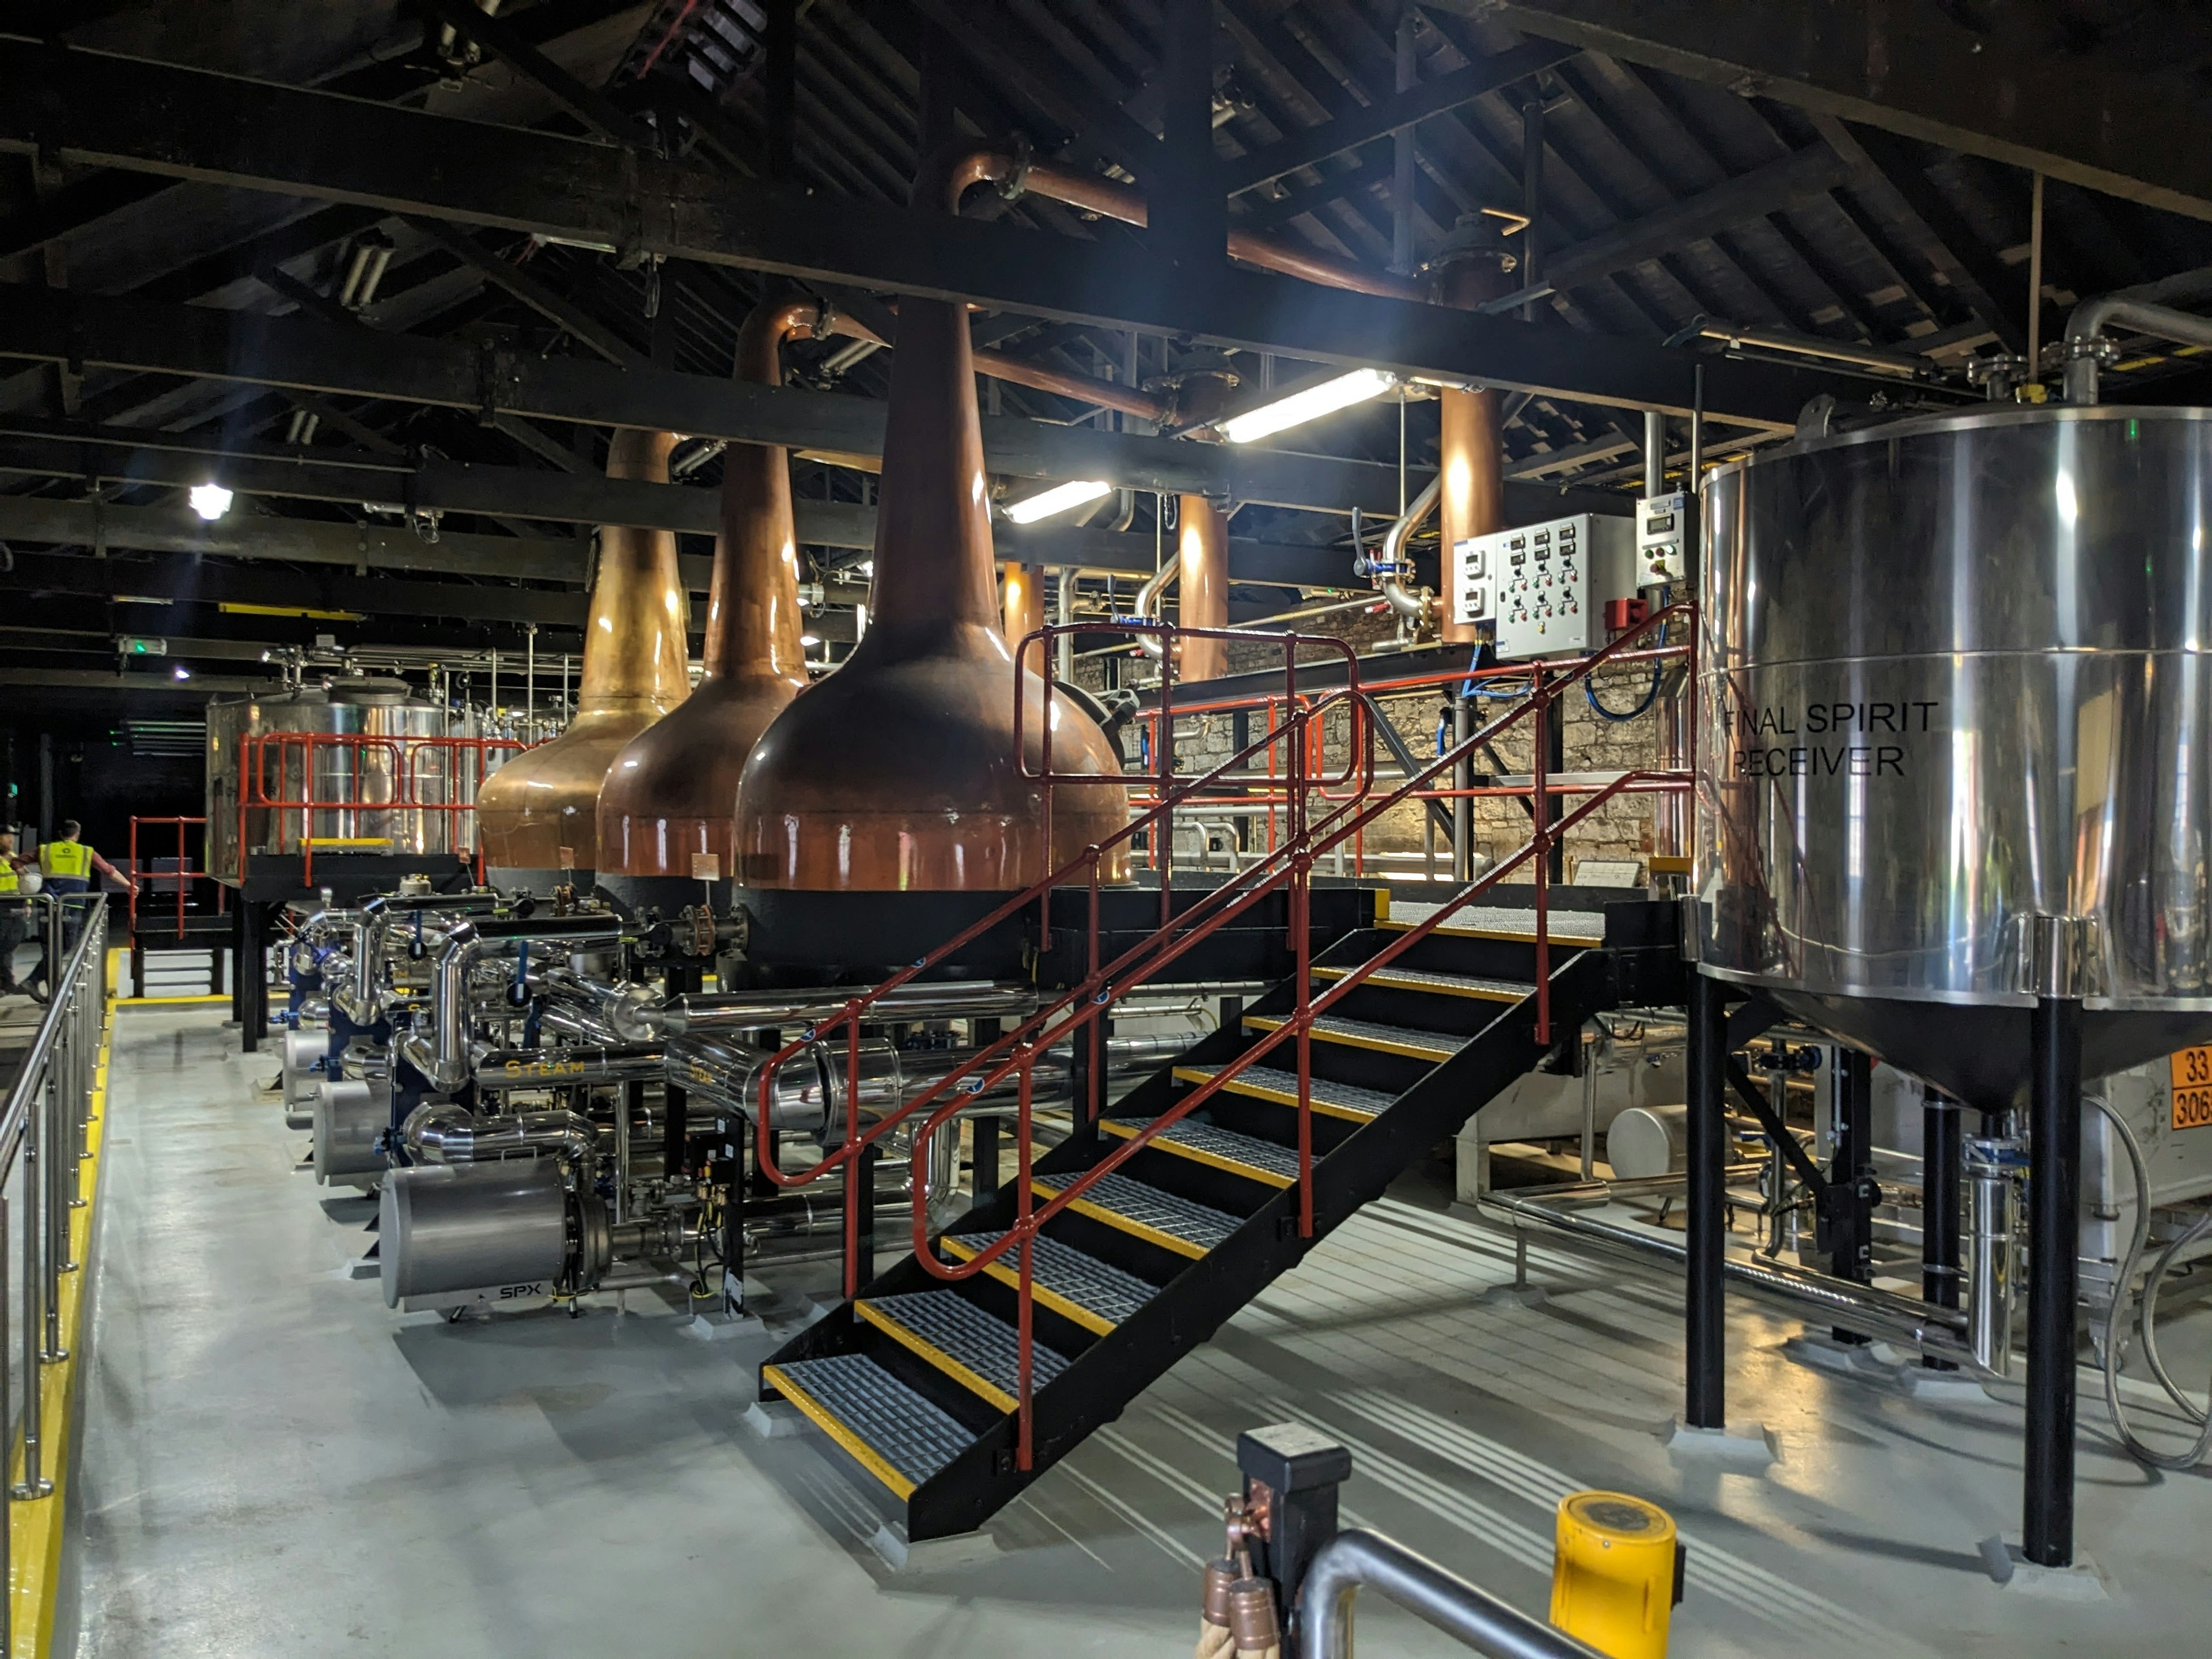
x,y
1981,1054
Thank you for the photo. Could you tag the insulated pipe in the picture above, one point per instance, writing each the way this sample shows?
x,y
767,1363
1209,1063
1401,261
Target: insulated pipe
x,y
444,1061
1148,609
1465,1612
440,1132
372,926
2093,317
1421,606
499,1070
916,1000
1939,1332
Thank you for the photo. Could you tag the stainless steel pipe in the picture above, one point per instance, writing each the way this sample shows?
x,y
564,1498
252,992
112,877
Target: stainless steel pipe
x,y
1939,1332
1355,1559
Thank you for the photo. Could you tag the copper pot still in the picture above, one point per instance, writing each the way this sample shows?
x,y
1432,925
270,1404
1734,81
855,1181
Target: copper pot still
x,y
537,816
898,773
667,813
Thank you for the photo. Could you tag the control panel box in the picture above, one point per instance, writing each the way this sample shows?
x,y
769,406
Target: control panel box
x,y
1663,533
1545,586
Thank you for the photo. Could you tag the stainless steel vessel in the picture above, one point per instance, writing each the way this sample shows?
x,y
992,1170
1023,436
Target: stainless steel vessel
x,y
377,778
1954,679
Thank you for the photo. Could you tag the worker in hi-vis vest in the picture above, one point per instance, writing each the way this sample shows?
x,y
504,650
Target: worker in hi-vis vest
x,y
68,865
15,913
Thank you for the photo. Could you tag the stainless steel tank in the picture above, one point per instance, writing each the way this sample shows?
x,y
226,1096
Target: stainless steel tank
x,y
390,785
1953,677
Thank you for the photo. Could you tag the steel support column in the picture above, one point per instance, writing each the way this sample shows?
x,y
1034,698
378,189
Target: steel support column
x,y
1705,1233
2054,1199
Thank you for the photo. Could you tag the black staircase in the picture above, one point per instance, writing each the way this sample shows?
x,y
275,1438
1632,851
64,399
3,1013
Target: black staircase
x,y
916,1378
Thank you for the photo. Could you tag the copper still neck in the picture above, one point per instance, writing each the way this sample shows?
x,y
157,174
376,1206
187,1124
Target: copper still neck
x,y
668,809
635,651
537,816
753,624
900,772
1024,599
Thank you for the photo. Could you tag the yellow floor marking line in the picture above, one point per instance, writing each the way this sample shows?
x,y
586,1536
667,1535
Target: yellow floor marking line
x,y
34,1526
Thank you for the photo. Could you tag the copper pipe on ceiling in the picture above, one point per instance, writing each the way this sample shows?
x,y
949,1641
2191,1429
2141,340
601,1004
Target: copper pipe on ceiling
x,y
670,796
898,772
1089,193
537,815
1085,388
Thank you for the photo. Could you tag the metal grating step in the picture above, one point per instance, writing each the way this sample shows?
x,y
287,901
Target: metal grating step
x,y
1330,1098
893,1432
1404,1040
980,1353
1450,985
1225,1149
1074,1285
1177,1223
1495,921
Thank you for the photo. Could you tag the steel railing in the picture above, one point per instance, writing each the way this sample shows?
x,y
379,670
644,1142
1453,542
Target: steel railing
x,y
328,786
43,1135
1349,809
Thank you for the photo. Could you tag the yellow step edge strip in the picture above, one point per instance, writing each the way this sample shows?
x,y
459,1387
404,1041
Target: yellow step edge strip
x,y
35,1528
1128,1225
1214,1160
824,1419
922,1346
1352,1040
150,1002
1008,1275
1509,935
1406,982
1268,1092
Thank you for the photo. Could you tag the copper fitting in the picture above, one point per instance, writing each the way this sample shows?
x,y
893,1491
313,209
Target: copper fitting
x,y
1213,1606
1252,1621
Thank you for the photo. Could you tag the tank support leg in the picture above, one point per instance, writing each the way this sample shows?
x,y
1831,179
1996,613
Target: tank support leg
x,y
2054,1198
1851,1176
1705,1402
1941,1155
252,975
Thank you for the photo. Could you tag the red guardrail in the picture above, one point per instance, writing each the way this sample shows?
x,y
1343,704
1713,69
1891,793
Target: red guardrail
x,y
1286,866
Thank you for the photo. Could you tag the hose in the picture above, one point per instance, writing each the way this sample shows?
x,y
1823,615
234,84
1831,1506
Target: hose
x,y
1658,676
2148,1318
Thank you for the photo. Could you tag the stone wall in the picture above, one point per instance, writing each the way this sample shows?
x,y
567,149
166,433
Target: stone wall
x,y
1622,829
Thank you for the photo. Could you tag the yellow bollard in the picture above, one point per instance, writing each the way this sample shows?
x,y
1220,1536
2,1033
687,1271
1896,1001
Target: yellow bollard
x,y
1613,1573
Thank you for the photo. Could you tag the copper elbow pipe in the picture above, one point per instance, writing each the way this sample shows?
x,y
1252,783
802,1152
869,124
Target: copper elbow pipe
x,y
670,796
536,815
1089,193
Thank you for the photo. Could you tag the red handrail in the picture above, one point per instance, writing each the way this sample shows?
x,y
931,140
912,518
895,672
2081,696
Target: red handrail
x,y
458,777
1290,864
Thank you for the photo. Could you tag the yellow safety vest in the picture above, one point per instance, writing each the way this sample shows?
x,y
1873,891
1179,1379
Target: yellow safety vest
x,y
66,858
8,881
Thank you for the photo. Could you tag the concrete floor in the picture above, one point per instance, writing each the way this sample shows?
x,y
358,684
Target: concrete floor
x,y
275,1464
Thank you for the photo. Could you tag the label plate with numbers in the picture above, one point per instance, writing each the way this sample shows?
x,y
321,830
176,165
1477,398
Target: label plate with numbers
x,y
2190,1071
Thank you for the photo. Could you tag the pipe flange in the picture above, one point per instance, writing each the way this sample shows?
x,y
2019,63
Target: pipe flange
x,y
590,1243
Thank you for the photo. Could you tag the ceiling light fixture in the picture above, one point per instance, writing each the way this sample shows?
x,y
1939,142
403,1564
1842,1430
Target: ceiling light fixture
x,y
183,673
1310,404
1058,499
210,500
